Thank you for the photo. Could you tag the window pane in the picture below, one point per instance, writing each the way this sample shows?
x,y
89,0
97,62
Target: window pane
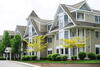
x,y
66,34
80,16
96,18
49,52
97,50
57,51
62,51
49,39
66,50
65,19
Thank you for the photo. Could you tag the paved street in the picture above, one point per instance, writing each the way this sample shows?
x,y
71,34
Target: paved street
x,y
12,64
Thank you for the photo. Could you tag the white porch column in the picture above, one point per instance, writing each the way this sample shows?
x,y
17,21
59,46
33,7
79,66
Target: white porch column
x,y
69,53
10,55
69,49
77,53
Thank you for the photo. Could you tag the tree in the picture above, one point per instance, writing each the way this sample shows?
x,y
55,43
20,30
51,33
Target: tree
x,y
16,45
38,44
75,42
5,42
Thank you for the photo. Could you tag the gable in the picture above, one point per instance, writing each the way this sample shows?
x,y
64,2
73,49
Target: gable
x,y
85,7
62,15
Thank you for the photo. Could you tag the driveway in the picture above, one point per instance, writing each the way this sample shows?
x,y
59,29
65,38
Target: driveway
x,y
14,64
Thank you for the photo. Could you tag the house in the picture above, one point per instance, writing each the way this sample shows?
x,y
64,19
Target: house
x,y
36,26
78,20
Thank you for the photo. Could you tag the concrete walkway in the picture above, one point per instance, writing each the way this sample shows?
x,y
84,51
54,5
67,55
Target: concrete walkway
x,y
15,64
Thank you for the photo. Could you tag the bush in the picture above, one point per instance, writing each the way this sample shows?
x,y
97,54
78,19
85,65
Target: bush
x,y
33,57
63,58
49,57
92,56
25,58
1,58
53,56
82,55
43,58
98,57
58,58
74,57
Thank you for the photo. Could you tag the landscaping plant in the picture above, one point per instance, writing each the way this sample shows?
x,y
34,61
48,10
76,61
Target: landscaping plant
x,y
82,55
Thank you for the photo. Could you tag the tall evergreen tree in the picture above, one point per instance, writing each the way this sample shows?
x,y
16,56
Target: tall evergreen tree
x,y
16,45
6,39
5,42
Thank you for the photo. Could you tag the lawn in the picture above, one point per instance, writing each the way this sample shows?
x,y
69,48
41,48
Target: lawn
x,y
65,62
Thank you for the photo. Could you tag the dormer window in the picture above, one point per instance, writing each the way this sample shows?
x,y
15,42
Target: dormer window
x,y
80,16
97,19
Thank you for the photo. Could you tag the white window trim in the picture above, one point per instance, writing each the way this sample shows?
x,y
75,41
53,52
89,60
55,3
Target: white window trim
x,y
79,19
49,49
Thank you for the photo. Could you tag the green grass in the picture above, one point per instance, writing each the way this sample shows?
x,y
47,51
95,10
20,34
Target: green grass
x,y
65,62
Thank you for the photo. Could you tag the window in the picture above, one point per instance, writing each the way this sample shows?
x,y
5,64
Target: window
x,y
49,26
57,36
97,50
97,18
80,16
49,40
73,32
62,51
57,51
97,34
66,34
60,24
50,52
61,20
66,50
65,19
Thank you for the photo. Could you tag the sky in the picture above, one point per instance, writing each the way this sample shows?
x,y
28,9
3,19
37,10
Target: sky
x,y
15,12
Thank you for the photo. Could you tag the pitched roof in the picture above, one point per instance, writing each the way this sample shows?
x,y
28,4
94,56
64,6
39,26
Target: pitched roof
x,y
78,4
21,29
33,14
43,21
82,23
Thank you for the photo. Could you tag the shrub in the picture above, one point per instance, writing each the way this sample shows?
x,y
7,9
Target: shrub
x,y
58,58
98,57
63,58
1,58
53,56
29,58
49,57
82,55
43,58
33,57
91,56
74,57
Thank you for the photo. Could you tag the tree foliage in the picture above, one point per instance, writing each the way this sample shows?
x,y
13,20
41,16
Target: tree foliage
x,y
74,42
38,44
16,44
5,42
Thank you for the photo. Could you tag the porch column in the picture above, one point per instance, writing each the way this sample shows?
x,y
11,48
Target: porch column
x,y
77,53
69,49
10,55
69,53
